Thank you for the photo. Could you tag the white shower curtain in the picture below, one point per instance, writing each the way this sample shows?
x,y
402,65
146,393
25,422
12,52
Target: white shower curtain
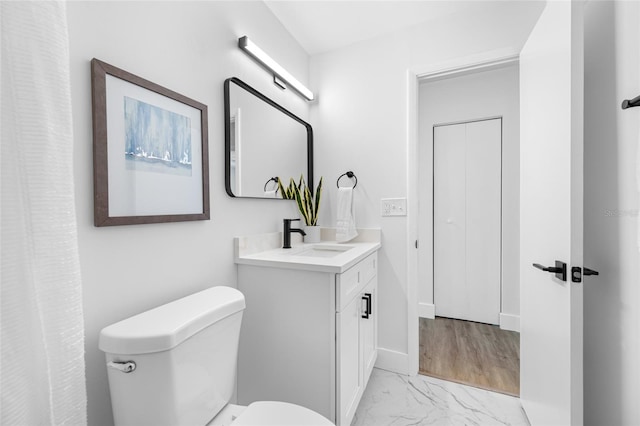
x,y
638,153
42,333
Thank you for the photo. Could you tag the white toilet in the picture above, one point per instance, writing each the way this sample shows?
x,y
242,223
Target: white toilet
x,y
176,365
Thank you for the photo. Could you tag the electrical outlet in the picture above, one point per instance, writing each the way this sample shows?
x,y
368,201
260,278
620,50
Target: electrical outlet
x,y
393,207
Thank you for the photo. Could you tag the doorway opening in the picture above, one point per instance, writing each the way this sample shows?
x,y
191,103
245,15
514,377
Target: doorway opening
x,y
468,192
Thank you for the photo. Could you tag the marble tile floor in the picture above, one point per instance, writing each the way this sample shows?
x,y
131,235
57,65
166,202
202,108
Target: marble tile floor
x,y
398,400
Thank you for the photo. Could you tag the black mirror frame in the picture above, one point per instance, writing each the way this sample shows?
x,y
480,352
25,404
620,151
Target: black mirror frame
x,y
227,136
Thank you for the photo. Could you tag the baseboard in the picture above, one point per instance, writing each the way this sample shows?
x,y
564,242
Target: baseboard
x,y
510,322
396,362
426,310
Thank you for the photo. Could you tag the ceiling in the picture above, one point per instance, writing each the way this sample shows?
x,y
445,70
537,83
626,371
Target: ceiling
x,y
321,26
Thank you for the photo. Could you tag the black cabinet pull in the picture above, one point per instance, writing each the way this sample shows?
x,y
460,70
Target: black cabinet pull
x,y
367,311
369,307
560,269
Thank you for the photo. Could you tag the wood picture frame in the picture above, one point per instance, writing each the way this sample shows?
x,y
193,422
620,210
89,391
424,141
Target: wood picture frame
x,y
150,151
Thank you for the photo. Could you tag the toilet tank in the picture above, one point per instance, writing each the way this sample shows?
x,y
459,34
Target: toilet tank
x,y
185,355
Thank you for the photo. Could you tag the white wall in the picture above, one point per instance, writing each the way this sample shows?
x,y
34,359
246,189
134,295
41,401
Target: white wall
x,y
490,93
360,123
612,136
189,47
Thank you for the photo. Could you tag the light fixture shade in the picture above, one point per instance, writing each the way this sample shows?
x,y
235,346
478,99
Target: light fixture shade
x,y
259,55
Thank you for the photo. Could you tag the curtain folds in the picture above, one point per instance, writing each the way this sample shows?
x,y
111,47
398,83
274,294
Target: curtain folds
x,y
42,330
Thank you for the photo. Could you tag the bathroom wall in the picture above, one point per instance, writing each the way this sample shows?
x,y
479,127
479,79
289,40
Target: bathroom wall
x,y
491,93
189,47
612,137
360,120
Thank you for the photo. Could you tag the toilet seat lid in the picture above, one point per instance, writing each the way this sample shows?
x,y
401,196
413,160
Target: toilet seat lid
x,y
271,413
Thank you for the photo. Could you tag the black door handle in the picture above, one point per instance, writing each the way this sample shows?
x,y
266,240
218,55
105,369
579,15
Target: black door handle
x,y
560,269
577,273
587,271
547,268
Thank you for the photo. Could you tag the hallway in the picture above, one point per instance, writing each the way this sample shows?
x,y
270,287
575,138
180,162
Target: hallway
x,y
471,353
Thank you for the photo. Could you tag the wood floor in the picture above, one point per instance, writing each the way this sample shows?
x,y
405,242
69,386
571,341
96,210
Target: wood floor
x,y
470,353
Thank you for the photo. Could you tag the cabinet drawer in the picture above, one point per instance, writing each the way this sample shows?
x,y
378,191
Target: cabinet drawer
x,y
351,282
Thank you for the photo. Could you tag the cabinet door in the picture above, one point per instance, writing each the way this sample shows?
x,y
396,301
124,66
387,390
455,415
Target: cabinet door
x,y
369,329
349,368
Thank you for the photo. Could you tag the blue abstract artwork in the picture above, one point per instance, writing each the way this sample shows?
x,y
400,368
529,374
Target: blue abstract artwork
x,y
156,140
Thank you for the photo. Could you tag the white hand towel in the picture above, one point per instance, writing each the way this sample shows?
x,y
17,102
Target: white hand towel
x,y
271,193
346,216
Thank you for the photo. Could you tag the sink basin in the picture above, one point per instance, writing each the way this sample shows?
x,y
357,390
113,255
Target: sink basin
x,y
322,250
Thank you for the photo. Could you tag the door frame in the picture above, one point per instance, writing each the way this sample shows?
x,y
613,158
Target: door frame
x,y
454,68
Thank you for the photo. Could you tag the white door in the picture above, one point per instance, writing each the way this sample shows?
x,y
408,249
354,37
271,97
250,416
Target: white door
x,y
551,111
467,220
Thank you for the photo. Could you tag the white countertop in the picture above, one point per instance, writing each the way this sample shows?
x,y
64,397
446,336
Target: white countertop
x,y
291,259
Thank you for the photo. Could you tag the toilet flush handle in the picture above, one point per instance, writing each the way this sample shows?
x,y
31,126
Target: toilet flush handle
x,y
125,367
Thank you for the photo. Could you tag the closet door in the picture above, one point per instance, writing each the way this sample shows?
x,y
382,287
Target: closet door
x,y
467,220
449,220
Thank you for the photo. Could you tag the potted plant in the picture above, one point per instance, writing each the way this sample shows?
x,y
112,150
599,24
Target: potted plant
x,y
288,193
308,205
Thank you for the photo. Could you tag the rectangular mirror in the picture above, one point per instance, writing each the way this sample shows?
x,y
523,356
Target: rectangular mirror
x,y
263,141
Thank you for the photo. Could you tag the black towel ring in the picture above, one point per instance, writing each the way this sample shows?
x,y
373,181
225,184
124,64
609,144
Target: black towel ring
x,y
274,179
350,175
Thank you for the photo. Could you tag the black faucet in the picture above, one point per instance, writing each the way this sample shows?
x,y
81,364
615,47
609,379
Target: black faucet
x,y
287,232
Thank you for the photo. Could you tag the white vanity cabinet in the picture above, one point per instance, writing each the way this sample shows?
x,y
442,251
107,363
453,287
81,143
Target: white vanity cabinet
x,y
308,337
356,334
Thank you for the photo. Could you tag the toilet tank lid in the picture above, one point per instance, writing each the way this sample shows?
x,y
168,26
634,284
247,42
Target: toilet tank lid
x,y
167,326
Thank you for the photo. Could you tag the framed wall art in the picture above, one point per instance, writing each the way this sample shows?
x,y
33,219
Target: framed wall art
x,y
150,151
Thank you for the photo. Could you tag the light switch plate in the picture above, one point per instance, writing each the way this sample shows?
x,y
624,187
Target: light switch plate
x,y
393,207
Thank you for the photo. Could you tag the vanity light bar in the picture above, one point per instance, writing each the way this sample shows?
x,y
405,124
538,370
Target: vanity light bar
x,y
280,73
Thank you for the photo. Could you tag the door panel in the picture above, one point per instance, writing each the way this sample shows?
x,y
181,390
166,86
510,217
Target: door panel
x,y
449,224
369,331
551,85
467,220
483,212
349,368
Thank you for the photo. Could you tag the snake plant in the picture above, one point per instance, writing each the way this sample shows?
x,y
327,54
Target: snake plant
x,y
309,205
288,193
